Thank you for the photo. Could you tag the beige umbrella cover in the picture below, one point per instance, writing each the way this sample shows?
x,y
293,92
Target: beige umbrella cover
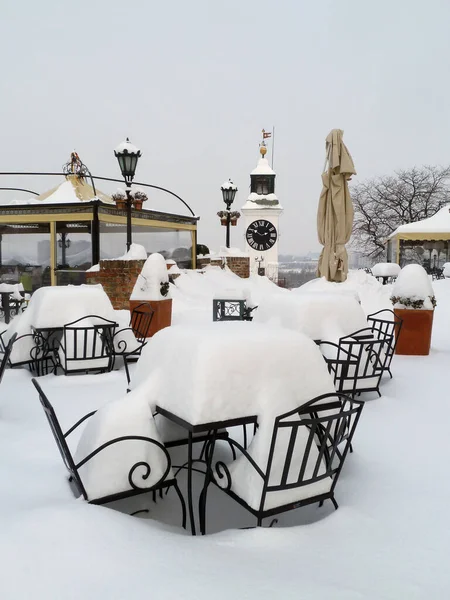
x,y
335,212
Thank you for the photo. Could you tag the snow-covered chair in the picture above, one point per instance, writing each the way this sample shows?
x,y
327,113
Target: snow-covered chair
x,y
355,362
141,320
5,356
140,477
386,326
301,463
39,358
87,346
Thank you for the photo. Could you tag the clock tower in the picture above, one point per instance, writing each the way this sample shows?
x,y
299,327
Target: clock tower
x,y
262,211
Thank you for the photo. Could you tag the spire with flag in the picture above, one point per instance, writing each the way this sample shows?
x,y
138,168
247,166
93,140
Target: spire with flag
x,y
266,134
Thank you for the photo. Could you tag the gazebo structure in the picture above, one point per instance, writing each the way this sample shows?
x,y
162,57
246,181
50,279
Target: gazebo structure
x,y
53,238
429,235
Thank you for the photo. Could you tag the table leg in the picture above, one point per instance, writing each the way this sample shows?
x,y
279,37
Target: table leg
x,y
207,481
5,306
189,484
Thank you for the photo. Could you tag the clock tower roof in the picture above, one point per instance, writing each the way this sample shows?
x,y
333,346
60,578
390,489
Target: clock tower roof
x,y
263,168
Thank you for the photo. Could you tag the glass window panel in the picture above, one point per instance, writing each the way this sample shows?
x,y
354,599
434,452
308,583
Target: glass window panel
x,y
25,255
175,245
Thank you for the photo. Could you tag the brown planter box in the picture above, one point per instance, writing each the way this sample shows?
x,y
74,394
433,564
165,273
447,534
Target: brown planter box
x,y
415,334
163,313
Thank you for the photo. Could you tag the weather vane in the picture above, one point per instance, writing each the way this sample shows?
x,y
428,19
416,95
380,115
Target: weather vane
x,y
262,145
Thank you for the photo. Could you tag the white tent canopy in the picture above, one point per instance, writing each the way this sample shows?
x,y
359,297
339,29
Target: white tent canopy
x,y
436,227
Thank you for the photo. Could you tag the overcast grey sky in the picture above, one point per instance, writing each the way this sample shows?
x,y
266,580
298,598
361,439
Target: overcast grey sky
x,y
193,83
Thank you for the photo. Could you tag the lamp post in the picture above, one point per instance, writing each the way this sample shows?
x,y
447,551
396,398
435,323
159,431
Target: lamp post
x,y
229,190
63,243
127,155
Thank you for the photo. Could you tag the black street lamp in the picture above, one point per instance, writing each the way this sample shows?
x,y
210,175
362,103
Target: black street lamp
x,y
63,243
229,190
127,155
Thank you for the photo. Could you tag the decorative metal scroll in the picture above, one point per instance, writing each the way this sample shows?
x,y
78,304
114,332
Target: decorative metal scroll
x,y
228,310
75,166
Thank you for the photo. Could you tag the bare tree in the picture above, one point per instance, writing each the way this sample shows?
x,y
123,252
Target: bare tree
x,y
383,203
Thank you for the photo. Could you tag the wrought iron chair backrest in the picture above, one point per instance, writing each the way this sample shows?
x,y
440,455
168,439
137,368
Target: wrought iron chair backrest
x,y
357,364
310,443
60,438
141,320
386,326
89,338
6,354
228,310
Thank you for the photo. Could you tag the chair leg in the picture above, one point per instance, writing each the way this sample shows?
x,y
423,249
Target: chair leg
x,y
321,504
335,504
183,505
127,370
259,522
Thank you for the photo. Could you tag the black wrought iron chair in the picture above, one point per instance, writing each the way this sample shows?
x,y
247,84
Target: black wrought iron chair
x,y
140,470
141,321
5,356
386,326
307,451
40,359
87,345
355,362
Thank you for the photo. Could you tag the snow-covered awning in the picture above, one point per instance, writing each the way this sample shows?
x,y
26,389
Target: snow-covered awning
x,y
436,227
73,189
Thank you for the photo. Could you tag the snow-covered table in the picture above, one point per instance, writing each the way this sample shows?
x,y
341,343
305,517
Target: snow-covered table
x,y
50,308
206,377
319,315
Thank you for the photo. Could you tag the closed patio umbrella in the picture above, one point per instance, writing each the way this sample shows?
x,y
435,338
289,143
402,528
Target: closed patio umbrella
x,y
335,213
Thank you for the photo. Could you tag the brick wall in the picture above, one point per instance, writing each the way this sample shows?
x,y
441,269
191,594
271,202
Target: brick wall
x,y
238,264
117,278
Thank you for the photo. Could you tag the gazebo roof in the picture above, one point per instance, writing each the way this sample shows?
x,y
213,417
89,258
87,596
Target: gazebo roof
x,y
436,227
74,189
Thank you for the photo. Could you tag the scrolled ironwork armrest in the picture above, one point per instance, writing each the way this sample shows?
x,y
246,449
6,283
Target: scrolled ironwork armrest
x,y
120,346
145,465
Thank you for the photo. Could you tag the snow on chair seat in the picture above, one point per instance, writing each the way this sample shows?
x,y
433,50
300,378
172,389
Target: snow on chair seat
x,y
302,462
119,454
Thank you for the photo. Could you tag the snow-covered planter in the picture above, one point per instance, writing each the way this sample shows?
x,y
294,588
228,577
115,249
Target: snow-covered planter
x,y
446,271
152,286
120,199
234,216
414,301
138,198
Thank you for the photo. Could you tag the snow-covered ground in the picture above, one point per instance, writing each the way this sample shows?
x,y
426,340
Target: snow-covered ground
x,y
388,540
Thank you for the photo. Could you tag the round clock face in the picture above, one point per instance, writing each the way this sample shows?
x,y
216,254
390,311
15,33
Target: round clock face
x,y
261,235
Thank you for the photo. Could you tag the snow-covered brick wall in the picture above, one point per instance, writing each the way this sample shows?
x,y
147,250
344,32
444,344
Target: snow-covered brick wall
x,y
117,278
